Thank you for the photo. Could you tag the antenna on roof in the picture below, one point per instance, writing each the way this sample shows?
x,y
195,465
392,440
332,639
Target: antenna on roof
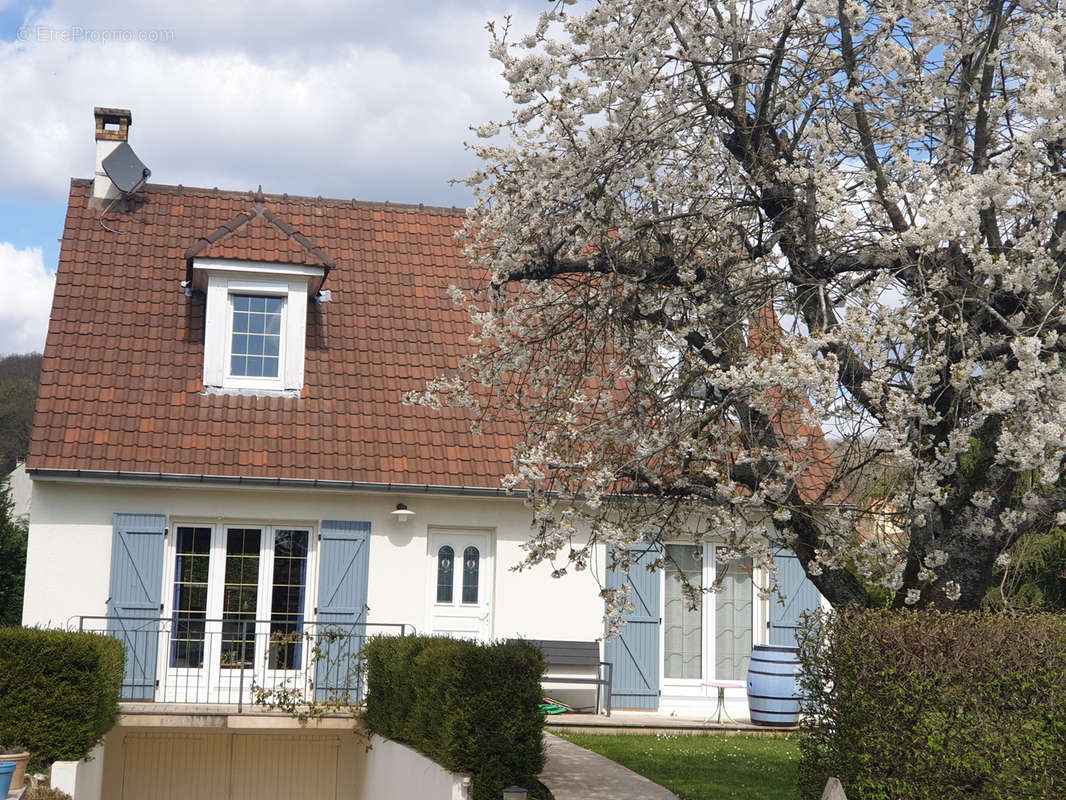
x,y
125,170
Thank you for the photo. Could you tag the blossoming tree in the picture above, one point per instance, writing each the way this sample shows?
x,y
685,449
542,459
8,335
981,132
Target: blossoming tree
x,y
712,230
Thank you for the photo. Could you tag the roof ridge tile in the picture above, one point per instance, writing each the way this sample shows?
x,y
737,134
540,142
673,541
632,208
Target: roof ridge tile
x,y
326,202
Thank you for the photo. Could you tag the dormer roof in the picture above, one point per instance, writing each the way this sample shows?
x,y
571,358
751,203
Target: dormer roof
x,y
261,235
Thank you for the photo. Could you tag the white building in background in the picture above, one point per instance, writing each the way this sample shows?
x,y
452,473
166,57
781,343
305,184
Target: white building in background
x,y
21,488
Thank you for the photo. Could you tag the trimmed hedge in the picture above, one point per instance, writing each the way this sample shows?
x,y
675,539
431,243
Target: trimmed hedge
x,y
904,704
58,691
470,707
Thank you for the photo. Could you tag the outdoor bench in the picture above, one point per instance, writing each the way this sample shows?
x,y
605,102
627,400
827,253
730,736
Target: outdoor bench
x,y
563,654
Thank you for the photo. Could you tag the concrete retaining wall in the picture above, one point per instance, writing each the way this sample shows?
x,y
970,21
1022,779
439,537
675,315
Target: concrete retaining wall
x,y
394,770
82,780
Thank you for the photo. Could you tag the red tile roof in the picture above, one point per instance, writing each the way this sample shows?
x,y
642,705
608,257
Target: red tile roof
x,y
121,383
122,379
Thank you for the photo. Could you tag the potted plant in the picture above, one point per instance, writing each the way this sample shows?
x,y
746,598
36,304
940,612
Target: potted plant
x,y
20,755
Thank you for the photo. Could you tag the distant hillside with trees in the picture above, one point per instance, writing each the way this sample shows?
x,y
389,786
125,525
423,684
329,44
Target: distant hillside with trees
x,y
20,375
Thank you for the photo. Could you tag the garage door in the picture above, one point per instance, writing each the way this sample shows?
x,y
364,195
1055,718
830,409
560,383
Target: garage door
x,y
229,766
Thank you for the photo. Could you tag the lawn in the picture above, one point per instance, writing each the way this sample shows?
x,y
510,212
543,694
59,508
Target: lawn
x,y
705,767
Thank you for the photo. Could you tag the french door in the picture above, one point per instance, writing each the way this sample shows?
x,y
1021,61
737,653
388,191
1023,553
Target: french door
x,y
237,604
706,637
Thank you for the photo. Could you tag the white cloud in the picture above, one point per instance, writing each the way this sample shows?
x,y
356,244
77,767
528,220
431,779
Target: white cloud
x,y
373,103
25,300
370,99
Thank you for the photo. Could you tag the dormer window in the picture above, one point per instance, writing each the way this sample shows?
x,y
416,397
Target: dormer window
x,y
256,324
256,318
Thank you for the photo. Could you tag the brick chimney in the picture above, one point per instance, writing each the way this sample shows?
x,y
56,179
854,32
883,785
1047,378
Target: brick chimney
x,y
112,128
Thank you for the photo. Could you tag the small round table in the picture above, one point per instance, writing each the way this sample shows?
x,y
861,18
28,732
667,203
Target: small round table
x,y
721,686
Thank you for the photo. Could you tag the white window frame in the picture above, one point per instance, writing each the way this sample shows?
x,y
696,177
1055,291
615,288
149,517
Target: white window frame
x,y
257,289
220,280
697,687
195,677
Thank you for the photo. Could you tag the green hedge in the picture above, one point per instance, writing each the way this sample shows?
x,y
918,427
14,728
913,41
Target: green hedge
x,y
470,707
943,706
58,691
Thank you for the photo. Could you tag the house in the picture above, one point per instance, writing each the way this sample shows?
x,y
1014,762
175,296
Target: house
x,y
222,462
20,488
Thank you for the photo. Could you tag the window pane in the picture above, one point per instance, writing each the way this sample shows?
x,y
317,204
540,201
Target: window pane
x,y
682,625
256,331
239,597
445,571
190,597
733,609
471,565
287,599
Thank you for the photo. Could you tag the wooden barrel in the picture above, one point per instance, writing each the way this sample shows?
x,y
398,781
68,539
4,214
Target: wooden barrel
x,y
773,692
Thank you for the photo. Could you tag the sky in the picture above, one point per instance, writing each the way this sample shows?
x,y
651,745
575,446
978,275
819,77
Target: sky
x,y
368,99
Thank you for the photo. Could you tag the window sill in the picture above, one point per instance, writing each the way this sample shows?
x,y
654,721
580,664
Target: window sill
x,y
248,392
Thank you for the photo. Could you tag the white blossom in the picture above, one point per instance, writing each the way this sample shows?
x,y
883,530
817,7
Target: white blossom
x,y
936,558
701,240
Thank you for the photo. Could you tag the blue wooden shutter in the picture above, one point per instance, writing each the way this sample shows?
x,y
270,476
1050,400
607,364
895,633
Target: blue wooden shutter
x,y
634,653
133,608
799,595
344,568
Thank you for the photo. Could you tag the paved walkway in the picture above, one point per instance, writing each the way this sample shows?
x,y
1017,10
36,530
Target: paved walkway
x,y
574,773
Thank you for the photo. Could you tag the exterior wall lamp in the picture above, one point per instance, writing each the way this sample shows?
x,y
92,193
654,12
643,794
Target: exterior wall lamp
x,y
402,514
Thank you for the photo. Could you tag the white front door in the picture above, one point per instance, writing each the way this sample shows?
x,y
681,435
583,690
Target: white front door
x,y
460,584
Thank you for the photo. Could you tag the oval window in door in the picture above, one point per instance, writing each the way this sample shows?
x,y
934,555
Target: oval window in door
x,y
445,571
471,565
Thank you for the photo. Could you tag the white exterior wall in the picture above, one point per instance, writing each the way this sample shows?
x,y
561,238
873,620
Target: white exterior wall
x,y
21,487
102,185
82,780
69,552
394,770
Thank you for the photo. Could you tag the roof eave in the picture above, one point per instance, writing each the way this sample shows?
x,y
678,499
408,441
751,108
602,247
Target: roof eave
x,y
90,475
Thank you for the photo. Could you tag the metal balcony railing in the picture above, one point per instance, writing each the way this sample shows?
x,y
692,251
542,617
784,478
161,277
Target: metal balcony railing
x,y
191,659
